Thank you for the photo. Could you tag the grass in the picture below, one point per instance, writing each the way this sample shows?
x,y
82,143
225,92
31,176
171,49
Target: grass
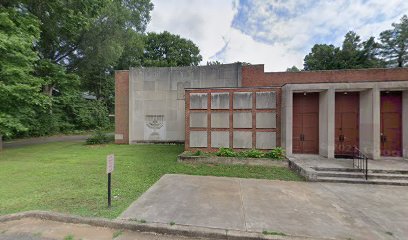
x,y
70,177
266,232
117,234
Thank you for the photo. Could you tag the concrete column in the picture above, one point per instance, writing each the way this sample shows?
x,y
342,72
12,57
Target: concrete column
x,y
376,123
405,123
287,120
326,123
366,123
370,123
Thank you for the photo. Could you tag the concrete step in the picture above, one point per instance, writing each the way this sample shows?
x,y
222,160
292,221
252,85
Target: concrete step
x,y
363,181
358,175
385,171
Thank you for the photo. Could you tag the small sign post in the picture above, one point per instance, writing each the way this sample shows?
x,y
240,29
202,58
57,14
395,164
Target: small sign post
x,y
110,163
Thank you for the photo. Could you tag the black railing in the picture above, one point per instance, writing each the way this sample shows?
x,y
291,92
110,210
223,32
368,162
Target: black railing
x,y
360,161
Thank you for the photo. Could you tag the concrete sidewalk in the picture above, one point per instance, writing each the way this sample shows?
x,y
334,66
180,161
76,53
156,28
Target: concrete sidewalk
x,y
37,229
317,210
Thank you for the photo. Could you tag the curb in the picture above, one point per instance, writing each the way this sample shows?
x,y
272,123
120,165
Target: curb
x,y
160,228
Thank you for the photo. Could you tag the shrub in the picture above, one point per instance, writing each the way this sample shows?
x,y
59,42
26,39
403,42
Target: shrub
x,y
198,153
253,153
226,152
276,153
99,137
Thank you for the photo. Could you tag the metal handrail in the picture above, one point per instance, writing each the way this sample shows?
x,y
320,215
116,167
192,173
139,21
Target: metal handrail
x,y
360,161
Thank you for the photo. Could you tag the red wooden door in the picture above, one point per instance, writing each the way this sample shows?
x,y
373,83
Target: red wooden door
x,y
305,137
346,123
391,124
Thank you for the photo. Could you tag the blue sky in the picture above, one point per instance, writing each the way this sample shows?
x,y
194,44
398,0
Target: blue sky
x,y
277,33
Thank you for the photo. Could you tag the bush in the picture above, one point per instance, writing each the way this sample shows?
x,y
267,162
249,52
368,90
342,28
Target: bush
x,y
99,137
226,152
276,153
253,153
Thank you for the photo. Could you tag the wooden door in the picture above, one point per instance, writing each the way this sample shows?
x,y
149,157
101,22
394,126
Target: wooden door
x,y
391,124
305,137
346,123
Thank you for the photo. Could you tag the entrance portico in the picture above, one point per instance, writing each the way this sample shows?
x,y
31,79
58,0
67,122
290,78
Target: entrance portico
x,y
370,125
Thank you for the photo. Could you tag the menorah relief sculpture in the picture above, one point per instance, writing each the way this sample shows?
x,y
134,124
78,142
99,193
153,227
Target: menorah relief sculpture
x,y
154,122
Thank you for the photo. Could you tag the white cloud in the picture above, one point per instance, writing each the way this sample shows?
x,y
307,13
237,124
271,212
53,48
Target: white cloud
x,y
278,33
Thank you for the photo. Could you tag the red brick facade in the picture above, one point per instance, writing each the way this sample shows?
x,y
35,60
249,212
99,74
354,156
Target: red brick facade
x,y
231,110
122,106
254,76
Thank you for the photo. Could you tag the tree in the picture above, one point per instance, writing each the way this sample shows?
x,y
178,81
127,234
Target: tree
x,y
87,37
322,57
394,44
293,69
353,54
19,90
168,50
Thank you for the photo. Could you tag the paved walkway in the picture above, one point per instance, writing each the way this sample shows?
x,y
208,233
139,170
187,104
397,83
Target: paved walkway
x,y
317,210
35,229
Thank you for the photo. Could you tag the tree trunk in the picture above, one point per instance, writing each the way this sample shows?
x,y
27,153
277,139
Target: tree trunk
x,y
1,142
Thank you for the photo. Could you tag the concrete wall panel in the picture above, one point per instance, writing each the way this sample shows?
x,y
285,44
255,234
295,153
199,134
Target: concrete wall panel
x,y
220,119
219,139
198,119
160,91
198,139
265,140
265,120
265,100
219,100
242,139
198,101
242,100
242,120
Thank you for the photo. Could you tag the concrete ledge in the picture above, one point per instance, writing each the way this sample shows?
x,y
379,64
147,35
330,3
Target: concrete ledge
x,y
268,162
179,230
307,172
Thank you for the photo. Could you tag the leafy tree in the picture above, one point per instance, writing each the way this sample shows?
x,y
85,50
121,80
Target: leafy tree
x,y
19,89
353,54
293,69
394,44
168,50
322,57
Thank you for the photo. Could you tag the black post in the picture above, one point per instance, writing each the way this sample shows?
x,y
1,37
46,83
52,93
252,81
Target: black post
x,y
109,190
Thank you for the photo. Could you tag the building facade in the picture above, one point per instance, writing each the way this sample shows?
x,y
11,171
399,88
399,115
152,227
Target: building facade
x,y
242,107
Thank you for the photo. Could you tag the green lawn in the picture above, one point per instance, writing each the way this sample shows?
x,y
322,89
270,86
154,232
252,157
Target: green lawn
x,y
71,178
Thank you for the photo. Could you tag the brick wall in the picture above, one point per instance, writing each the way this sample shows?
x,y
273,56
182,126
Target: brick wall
x,y
122,107
254,76
205,127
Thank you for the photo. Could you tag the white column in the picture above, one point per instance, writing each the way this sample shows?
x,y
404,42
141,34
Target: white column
x,y
366,123
287,120
405,123
326,123
376,123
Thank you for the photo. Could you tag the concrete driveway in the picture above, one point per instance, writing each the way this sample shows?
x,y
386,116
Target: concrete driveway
x,y
317,210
